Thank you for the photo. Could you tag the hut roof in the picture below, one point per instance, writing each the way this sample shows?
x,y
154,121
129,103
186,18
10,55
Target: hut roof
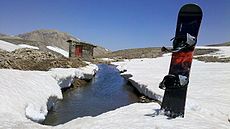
x,y
80,43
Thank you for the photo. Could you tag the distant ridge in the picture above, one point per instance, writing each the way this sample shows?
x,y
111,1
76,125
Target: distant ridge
x,y
220,44
49,37
1,35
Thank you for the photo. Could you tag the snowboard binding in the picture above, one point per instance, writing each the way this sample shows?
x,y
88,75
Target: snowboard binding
x,y
173,82
181,43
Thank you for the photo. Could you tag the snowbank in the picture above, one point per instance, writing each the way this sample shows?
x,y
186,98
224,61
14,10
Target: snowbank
x,y
65,76
26,93
146,74
29,94
59,50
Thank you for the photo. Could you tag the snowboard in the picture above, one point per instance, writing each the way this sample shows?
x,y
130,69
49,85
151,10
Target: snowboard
x,y
176,82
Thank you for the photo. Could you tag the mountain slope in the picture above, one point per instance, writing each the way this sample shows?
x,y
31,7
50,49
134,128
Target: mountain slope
x,y
49,38
1,35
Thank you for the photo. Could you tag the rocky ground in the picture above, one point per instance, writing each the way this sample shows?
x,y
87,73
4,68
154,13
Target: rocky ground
x,y
31,59
156,52
213,59
209,58
133,53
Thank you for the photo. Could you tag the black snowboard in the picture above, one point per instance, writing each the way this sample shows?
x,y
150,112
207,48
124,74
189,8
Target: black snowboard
x,y
176,82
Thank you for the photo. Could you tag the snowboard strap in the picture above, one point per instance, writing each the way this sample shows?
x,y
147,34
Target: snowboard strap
x,y
183,42
173,82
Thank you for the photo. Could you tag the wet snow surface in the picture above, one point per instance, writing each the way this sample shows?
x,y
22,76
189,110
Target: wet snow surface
x,y
24,94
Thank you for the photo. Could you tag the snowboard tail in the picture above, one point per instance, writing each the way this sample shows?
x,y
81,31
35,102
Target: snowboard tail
x,y
176,82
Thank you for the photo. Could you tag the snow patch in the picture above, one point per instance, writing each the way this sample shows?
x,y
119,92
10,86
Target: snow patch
x,y
59,50
11,47
28,46
8,46
106,59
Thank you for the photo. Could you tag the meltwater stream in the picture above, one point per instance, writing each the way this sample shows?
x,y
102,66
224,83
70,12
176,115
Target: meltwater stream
x,y
107,91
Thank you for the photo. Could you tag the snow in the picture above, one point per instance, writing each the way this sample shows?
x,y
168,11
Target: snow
x,y
11,47
139,115
8,46
27,46
208,93
106,59
59,50
65,76
30,94
24,94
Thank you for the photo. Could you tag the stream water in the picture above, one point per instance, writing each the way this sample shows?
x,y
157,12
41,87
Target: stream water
x,y
107,91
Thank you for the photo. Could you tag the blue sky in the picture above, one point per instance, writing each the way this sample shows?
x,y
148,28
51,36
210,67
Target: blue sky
x,y
114,24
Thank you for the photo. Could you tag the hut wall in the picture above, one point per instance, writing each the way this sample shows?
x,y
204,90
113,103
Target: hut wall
x,y
77,49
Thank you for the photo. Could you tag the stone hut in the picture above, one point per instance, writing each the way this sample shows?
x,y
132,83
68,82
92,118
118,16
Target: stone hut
x,y
80,49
